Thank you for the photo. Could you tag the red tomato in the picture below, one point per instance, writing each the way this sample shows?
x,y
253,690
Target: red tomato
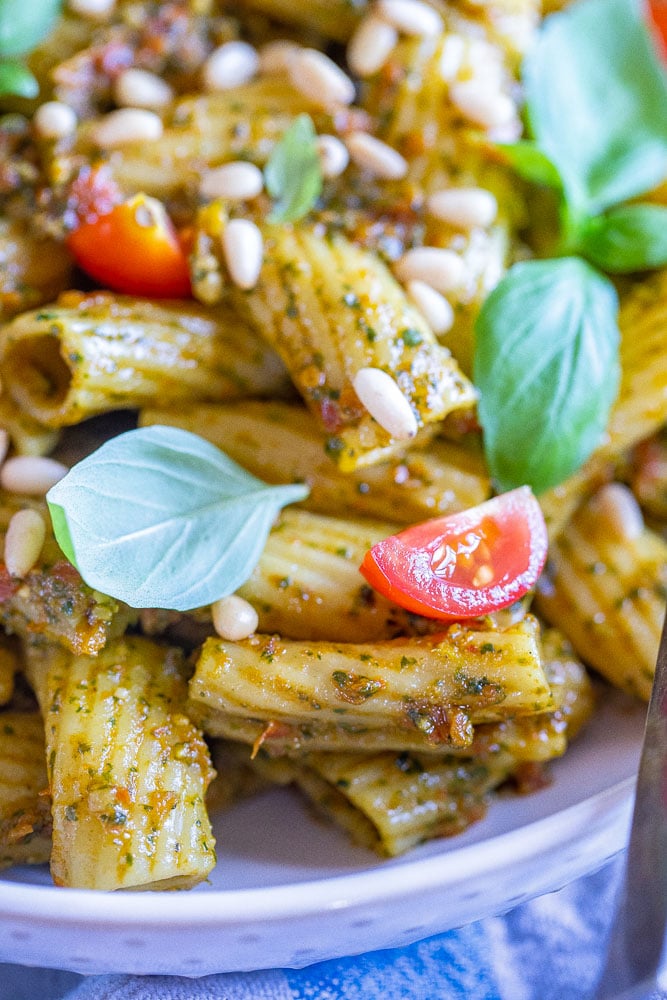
x,y
466,564
657,12
133,248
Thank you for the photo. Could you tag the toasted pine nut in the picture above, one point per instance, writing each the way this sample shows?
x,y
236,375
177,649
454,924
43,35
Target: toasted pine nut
x,y
54,120
465,208
441,269
234,618
137,88
616,504
385,402
275,57
31,474
24,541
237,180
127,125
333,155
412,17
451,57
96,10
230,65
320,80
371,45
375,156
480,105
434,307
243,248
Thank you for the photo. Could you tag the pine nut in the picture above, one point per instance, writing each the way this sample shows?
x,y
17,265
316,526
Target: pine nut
x,y
30,474
96,10
480,105
54,120
333,155
137,88
275,57
441,269
385,402
243,248
127,125
375,156
237,181
464,208
230,65
617,506
24,541
371,45
434,307
451,57
412,17
234,618
320,80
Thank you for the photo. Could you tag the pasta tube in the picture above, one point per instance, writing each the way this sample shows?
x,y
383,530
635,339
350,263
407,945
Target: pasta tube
x,y
127,770
32,270
88,354
605,586
330,309
280,443
52,600
25,818
437,687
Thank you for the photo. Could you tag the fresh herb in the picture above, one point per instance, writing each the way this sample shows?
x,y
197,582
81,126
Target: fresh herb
x,y
293,176
158,517
23,24
546,354
547,369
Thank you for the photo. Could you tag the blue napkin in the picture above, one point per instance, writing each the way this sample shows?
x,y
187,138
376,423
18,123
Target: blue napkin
x,y
551,948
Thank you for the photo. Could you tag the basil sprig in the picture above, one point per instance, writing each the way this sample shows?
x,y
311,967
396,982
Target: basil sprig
x,y
546,356
23,24
292,174
159,517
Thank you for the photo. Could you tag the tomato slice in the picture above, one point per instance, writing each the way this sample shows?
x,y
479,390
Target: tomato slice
x,y
464,565
657,17
133,248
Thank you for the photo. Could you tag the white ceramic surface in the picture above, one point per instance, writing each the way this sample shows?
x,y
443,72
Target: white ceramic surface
x,y
289,890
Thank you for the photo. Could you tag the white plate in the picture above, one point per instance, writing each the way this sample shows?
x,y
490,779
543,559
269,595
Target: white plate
x,y
288,890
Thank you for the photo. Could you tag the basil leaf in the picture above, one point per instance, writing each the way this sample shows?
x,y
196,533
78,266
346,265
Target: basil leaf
x,y
293,176
158,517
528,160
15,78
546,365
596,95
24,23
630,238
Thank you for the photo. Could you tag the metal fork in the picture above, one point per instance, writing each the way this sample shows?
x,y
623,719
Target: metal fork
x,y
637,941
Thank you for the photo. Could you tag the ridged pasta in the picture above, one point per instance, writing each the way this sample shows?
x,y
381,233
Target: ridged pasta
x,y
25,817
127,769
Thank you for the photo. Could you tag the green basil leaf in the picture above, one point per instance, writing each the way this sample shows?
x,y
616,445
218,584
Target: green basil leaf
x,y
546,365
528,160
158,517
293,176
626,239
15,78
596,95
24,23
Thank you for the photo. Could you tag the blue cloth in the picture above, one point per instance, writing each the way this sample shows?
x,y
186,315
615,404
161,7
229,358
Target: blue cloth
x,y
551,948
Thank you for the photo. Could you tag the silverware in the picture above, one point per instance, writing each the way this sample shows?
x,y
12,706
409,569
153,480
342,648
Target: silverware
x,y
637,942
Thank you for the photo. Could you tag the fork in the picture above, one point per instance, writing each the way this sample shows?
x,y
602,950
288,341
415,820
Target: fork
x,y
637,940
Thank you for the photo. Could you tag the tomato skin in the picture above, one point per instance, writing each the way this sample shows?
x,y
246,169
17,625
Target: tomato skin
x,y
133,248
657,19
464,565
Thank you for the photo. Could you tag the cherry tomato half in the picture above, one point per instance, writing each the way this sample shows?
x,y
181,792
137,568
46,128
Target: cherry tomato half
x,y
657,17
464,565
133,248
